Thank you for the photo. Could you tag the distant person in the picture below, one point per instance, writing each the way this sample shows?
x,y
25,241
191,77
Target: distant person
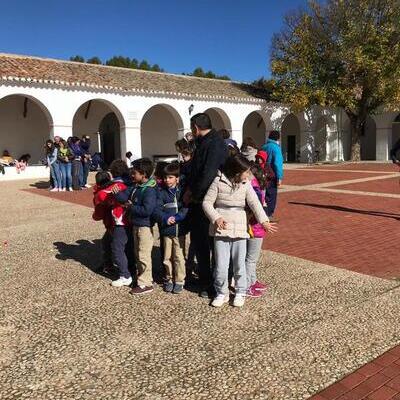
x,y
22,163
275,160
249,148
227,138
395,153
86,159
52,163
209,156
129,159
6,158
65,157
77,174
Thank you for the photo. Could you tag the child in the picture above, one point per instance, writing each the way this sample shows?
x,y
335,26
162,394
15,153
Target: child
x,y
170,212
102,211
142,203
257,234
224,205
121,225
22,162
65,157
52,163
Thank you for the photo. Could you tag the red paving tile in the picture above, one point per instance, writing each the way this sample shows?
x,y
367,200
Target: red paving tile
x,y
391,185
354,232
303,177
360,167
81,197
368,382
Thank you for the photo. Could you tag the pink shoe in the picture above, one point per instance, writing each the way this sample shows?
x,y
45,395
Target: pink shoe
x,y
260,286
252,292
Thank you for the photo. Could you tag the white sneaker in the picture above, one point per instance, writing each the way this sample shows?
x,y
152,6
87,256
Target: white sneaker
x,y
62,190
220,300
88,186
54,190
70,189
121,281
238,301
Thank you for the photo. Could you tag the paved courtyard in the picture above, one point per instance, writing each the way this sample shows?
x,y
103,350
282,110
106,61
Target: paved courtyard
x,y
332,307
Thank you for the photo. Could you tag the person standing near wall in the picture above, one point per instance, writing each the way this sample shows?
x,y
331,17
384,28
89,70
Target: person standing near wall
x,y
394,153
209,156
76,163
85,146
275,160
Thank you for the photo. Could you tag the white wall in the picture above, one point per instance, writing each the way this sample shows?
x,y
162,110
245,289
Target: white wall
x,y
21,135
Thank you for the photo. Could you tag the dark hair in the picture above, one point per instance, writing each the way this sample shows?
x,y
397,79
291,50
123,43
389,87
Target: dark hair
x,y
172,169
235,166
159,171
128,154
181,145
224,133
119,168
103,179
187,152
259,174
274,135
144,165
49,149
25,157
233,150
75,139
248,141
201,120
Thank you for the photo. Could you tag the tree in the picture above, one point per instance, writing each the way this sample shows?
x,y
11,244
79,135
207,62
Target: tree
x,y
209,74
340,53
144,65
77,59
94,60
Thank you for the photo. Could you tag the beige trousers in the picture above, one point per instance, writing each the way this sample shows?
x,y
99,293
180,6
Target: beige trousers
x,y
174,260
143,245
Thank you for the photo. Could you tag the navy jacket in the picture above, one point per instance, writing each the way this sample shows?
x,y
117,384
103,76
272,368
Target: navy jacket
x,y
210,155
144,201
170,204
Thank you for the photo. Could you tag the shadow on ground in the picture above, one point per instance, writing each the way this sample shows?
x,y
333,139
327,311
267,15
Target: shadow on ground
x,y
40,185
349,210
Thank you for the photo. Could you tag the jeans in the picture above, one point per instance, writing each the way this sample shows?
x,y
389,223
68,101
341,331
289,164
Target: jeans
x,y
225,249
202,244
253,253
106,242
271,194
76,174
66,175
56,174
118,246
85,172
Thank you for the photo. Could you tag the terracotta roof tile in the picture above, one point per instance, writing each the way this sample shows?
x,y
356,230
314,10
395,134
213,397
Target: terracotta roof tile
x,y
123,79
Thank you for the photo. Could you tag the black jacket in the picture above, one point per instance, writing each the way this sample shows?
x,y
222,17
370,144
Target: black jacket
x,y
210,155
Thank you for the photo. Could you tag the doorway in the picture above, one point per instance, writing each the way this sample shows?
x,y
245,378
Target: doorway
x,y
291,148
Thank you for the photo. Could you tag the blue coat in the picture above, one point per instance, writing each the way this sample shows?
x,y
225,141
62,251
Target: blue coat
x,y
275,159
170,204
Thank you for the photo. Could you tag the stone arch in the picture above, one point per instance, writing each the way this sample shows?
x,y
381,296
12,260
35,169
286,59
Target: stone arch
x,y
290,138
160,128
256,126
25,125
103,122
219,118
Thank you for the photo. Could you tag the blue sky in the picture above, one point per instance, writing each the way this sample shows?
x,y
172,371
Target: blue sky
x,y
227,36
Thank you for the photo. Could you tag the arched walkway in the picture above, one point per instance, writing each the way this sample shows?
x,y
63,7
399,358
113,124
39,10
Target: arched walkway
x,y
219,119
25,125
160,129
320,138
290,138
368,140
254,126
102,121
395,132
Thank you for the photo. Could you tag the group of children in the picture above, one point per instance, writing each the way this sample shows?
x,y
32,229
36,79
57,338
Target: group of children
x,y
130,201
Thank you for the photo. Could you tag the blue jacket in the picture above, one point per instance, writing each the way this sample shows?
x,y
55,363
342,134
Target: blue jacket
x,y
275,159
170,204
144,201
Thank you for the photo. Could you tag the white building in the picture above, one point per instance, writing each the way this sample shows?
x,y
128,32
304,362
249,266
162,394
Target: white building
x,y
146,112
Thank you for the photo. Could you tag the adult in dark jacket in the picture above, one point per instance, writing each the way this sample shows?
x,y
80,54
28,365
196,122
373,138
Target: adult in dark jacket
x,y
86,158
209,156
395,153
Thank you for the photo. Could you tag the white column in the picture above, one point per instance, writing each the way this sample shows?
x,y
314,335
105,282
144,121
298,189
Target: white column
x,y
236,134
383,141
65,131
307,146
131,141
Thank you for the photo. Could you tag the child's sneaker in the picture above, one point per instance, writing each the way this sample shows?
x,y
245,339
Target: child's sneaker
x,y
54,190
168,287
260,286
220,300
70,189
238,301
253,292
178,288
142,289
121,281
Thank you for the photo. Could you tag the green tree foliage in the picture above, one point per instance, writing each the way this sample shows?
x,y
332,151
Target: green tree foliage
x,y
209,74
77,59
94,60
340,53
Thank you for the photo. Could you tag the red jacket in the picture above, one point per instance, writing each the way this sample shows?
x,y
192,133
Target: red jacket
x,y
106,208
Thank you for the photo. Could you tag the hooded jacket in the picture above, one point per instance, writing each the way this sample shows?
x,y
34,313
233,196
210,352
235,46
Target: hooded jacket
x,y
275,159
256,230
